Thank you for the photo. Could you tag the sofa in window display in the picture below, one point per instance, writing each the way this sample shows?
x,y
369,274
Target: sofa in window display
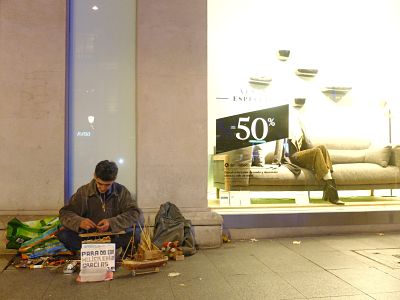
x,y
357,164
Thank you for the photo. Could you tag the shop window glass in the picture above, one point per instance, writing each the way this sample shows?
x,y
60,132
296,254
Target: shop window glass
x,y
337,77
101,89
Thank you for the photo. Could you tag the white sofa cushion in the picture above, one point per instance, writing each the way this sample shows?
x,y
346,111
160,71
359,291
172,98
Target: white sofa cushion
x,y
365,174
379,155
395,157
347,156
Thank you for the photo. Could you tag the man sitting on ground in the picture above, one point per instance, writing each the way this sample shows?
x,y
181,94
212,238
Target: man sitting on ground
x,y
102,205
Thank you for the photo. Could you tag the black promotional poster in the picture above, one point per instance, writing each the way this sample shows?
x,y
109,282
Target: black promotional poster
x,y
255,127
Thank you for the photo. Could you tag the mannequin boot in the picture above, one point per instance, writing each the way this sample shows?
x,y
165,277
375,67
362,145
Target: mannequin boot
x,y
326,193
330,192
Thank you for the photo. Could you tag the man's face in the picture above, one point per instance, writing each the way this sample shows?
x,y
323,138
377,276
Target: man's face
x,y
103,186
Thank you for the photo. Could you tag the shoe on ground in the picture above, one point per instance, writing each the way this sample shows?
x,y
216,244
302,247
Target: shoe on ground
x,y
70,267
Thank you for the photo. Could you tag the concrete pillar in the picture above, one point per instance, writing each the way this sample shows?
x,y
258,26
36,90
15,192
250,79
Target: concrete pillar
x,y
172,111
32,106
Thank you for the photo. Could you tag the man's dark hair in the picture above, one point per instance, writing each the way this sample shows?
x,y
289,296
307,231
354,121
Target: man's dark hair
x,y
106,170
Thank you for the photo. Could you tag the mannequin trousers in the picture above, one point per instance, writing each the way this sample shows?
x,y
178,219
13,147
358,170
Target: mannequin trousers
x,y
316,159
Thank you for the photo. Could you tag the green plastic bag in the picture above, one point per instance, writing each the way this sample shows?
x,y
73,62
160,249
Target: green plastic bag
x,y
47,248
19,232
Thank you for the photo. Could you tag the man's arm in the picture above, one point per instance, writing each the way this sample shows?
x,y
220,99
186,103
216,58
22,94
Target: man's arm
x,y
71,214
129,212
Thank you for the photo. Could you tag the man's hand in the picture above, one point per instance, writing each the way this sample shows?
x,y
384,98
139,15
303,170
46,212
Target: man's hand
x,y
103,225
87,224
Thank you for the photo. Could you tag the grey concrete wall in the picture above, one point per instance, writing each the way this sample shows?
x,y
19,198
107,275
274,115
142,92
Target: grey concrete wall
x,y
171,109
172,103
32,102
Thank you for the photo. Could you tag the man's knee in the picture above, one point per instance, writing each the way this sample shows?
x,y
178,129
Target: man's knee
x,y
62,235
70,239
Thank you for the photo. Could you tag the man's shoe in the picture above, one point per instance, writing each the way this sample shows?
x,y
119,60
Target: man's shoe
x,y
70,267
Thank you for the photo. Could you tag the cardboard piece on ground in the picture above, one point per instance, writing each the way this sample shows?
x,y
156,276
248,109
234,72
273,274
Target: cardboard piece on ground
x,y
91,275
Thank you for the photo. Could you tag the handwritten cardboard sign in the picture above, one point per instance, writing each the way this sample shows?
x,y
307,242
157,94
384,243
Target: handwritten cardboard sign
x,y
98,256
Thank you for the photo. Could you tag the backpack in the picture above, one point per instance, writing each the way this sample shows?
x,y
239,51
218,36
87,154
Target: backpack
x,y
170,226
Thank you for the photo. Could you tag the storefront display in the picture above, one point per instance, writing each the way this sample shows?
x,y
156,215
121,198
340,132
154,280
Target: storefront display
x,y
323,87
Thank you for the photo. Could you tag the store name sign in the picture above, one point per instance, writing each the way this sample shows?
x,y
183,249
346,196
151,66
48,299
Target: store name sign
x,y
256,127
246,96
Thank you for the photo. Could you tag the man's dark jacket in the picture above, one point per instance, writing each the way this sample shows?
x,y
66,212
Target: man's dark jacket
x,y
121,208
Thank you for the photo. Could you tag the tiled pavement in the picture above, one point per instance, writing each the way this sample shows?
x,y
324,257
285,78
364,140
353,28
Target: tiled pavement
x,y
362,266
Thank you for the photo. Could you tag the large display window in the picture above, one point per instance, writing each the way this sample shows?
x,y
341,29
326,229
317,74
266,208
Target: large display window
x,y
325,68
